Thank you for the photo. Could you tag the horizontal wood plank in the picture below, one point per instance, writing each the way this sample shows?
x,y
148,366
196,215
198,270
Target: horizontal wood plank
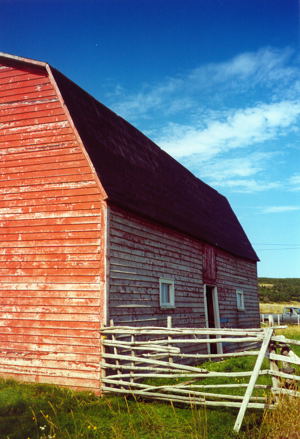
x,y
52,235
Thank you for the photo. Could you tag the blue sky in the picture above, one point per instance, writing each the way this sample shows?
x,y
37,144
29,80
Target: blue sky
x,y
216,83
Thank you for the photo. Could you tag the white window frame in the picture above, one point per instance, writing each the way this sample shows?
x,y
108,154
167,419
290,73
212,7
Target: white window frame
x,y
240,302
171,284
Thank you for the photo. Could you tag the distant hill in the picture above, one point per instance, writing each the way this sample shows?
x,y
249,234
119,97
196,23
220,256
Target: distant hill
x,y
279,290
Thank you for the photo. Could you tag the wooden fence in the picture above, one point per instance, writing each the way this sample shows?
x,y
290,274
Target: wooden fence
x,y
156,363
272,319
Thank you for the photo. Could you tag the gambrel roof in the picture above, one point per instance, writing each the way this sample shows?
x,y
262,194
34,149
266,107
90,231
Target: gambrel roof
x,y
139,176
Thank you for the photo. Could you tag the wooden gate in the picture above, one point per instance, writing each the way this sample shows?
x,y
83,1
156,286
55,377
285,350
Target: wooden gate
x,y
157,363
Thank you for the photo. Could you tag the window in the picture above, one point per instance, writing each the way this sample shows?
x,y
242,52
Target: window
x,y
166,293
240,300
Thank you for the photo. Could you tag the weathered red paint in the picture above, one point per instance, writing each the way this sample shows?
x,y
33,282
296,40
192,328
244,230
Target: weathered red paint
x,y
51,233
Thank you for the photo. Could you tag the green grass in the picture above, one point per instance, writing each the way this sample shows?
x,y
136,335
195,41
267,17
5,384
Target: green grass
x,y
39,411
46,412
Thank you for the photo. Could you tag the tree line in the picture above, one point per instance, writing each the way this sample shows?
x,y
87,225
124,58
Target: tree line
x,y
278,290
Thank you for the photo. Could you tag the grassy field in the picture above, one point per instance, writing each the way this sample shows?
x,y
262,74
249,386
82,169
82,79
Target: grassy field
x,y
275,308
46,412
30,411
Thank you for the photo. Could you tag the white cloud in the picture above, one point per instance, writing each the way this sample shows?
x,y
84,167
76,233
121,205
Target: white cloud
x,y
240,128
246,185
294,183
138,105
235,173
235,167
268,67
242,173
263,67
222,119
280,209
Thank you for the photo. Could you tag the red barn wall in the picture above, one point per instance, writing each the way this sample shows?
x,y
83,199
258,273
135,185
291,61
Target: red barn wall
x,y
51,239
141,252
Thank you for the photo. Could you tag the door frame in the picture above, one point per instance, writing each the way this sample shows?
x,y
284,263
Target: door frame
x,y
215,301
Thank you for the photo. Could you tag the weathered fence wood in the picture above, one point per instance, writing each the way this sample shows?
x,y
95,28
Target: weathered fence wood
x,y
115,348
131,346
188,400
157,362
282,391
179,374
273,366
136,354
283,339
252,381
284,375
199,341
180,331
145,389
286,359
206,356
169,326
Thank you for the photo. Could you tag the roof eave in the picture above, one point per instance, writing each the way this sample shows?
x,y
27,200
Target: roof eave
x,y
39,65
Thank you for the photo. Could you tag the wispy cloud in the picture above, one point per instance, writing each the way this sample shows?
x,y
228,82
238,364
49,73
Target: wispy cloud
x,y
151,98
244,106
247,70
265,68
246,185
240,128
294,182
280,209
244,173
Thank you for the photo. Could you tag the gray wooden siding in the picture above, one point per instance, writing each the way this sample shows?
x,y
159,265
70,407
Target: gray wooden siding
x,y
142,252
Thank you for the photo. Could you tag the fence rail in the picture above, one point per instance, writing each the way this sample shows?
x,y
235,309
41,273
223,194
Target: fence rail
x,y
159,363
279,319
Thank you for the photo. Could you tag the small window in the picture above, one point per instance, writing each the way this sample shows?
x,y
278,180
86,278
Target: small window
x,y
166,291
240,300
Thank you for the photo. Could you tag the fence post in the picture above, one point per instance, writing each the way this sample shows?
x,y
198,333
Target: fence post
x,y
260,358
111,323
102,368
132,340
169,326
274,367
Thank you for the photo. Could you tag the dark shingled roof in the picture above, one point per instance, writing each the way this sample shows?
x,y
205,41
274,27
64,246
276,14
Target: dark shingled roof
x,y
139,176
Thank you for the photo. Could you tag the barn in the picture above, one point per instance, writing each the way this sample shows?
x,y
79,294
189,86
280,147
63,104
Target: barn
x,y
98,223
